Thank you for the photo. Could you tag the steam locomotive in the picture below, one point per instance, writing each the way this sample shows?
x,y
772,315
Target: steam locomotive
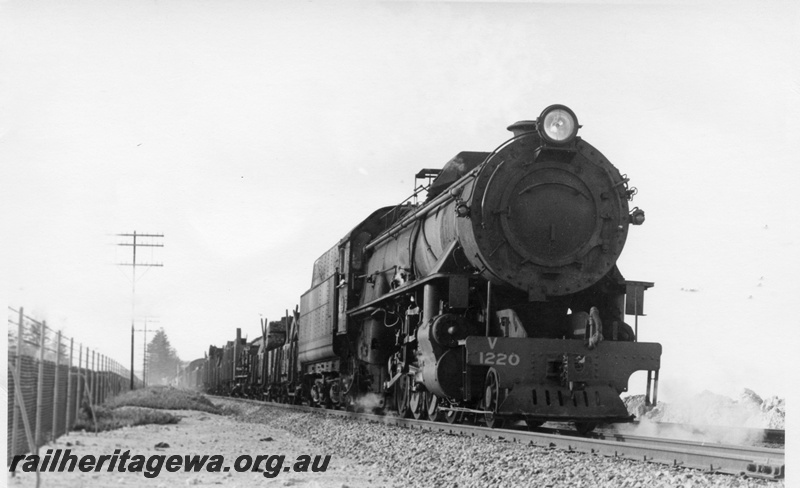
x,y
496,299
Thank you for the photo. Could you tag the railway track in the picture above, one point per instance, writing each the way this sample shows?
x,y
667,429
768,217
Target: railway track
x,y
722,458
713,433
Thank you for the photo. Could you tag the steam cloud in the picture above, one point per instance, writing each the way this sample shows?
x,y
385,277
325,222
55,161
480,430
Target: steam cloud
x,y
705,417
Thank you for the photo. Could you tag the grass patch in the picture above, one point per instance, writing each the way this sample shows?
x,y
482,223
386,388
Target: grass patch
x,y
145,406
111,419
165,398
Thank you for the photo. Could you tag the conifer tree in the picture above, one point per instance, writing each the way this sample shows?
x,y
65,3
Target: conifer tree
x,y
162,360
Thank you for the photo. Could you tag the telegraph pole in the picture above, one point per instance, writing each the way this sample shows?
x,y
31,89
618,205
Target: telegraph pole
x,y
144,350
138,240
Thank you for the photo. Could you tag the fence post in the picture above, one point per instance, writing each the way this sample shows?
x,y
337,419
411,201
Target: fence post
x,y
40,386
54,430
78,387
100,377
105,379
90,375
67,425
97,382
96,377
90,372
18,369
109,393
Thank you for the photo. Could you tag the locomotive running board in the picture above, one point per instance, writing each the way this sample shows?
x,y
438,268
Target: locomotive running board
x,y
368,307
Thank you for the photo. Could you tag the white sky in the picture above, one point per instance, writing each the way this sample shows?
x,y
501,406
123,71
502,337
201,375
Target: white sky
x,y
255,134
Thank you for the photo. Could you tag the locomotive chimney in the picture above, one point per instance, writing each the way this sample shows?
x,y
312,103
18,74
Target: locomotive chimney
x,y
522,127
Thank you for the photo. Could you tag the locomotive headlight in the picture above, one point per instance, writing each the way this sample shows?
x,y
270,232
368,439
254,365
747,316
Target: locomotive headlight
x,y
637,216
557,124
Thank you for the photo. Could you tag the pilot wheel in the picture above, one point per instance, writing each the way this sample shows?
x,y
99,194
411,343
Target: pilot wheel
x,y
491,400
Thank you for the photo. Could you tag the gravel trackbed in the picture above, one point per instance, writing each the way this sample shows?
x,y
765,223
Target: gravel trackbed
x,y
363,454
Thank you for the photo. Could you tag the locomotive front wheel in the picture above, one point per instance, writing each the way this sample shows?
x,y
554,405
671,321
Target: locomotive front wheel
x,y
417,404
435,414
491,400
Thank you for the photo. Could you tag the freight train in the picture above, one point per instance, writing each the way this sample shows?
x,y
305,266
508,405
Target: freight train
x,y
496,299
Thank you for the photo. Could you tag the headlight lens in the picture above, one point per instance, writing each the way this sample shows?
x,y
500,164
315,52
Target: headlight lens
x,y
637,216
558,124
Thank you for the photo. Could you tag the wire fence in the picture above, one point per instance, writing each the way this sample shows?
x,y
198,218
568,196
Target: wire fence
x,y
50,380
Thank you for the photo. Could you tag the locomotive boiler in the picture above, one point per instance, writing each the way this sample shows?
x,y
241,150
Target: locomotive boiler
x,y
498,297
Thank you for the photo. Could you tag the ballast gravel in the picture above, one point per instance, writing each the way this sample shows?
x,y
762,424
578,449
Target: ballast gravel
x,y
411,457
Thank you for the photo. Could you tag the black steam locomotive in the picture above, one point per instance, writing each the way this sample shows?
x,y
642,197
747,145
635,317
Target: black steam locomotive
x,y
497,298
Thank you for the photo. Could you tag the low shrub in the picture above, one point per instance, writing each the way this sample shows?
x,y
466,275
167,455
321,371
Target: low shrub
x,y
109,419
165,398
145,406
